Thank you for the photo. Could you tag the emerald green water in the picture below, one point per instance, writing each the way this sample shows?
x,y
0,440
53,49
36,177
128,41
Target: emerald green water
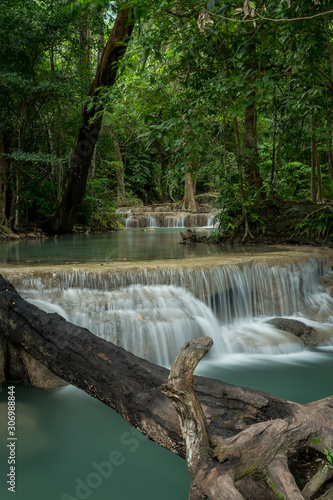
x,y
67,440
63,433
131,245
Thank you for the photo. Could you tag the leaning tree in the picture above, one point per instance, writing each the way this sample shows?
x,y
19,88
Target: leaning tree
x,y
64,218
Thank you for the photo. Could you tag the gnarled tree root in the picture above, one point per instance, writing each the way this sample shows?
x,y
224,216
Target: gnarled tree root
x,y
216,464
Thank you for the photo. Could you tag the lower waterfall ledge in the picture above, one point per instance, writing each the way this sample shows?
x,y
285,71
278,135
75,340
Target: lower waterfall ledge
x,y
279,256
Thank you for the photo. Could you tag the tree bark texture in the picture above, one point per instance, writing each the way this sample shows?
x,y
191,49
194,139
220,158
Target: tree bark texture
x,y
64,219
239,164
189,202
276,161
5,190
315,164
237,441
330,140
252,173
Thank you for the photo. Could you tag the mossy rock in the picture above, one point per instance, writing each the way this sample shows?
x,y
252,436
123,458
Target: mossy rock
x,y
209,198
6,230
117,226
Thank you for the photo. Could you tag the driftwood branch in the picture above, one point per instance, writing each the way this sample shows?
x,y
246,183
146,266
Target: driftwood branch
x,y
237,441
216,463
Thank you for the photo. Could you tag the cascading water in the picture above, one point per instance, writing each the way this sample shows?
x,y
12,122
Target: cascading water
x,y
145,219
211,221
152,314
176,221
131,222
151,221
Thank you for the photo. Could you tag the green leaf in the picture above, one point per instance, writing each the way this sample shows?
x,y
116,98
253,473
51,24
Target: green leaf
x,y
145,55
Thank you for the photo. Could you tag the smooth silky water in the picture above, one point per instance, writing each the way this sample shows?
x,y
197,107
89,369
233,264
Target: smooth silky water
x,y
64,435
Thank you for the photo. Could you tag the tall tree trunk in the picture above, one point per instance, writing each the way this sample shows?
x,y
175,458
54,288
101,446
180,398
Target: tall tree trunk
x,y
84,33
252,173
64,219
329,100
6,195
319,180
316,197
273,177
250,142
48,134
59,154
279,148
224,146
189,202
329,44
239,164
119,169
313,158
160,159
329,142
57,113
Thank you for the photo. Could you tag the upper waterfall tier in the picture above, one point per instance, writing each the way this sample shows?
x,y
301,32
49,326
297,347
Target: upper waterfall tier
x,y
167,216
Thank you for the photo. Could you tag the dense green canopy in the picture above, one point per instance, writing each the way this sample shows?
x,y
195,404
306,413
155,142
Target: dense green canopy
x,y
233,97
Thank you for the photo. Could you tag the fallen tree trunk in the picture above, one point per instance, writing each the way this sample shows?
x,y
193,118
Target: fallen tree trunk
x,y
237,441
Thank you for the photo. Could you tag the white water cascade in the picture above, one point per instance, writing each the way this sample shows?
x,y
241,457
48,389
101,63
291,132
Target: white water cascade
x,y
211,223
131,222
178,221
152,314
141,218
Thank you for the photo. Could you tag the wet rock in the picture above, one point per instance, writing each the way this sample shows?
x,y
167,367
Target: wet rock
x,y
327,282
17,365
309,335
191,236
162,208
39,375
207,198
32,236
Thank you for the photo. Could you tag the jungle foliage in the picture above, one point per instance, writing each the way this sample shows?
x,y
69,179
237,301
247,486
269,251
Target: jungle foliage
x,y
229,96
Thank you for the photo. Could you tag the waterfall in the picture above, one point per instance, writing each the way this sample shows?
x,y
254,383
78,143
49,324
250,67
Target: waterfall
x,y
131,222
210,221
152,313
142,218
151,221
176,221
